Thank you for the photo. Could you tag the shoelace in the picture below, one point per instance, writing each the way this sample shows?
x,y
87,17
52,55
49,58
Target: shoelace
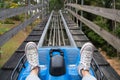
x,y
33,57
86,58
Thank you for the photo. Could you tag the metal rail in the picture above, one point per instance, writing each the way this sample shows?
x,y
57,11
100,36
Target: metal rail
x,y
45,31
62,34
50,36
67,30
18,68
97,69
56,33
59,42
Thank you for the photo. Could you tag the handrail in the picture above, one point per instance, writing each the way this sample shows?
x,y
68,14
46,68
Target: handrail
x,y
7,13
111,39
108,13
8,35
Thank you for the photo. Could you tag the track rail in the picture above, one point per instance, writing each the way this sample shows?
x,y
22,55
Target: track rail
x,y
56,32
47,34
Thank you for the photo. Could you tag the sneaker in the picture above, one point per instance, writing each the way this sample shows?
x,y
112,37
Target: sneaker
x,y
32,54
86,57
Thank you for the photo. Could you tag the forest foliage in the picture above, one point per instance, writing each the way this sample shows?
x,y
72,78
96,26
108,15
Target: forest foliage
x,y
109,25
56,4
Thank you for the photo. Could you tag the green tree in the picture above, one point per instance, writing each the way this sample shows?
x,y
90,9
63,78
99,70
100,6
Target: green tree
x,y
103,23
117,31
1,4
56,4
1,53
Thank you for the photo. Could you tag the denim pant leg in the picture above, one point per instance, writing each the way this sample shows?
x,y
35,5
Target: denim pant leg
x,y
32,77
89,77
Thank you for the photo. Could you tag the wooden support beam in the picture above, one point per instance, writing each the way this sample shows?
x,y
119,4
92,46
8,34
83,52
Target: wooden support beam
x,y
112,14
7,13
111,39
0,53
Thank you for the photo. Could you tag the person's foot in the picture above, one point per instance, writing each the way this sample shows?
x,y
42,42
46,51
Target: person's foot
x,y
86,57
32,54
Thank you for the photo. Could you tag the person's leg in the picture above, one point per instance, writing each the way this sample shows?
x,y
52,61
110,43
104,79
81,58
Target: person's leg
x,y
84,65
33,74
32,58
87,76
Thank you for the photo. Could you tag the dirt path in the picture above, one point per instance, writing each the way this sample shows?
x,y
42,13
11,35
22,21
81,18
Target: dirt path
x,y
114,62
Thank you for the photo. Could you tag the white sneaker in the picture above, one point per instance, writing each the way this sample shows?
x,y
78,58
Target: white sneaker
x,y
86,57
32,54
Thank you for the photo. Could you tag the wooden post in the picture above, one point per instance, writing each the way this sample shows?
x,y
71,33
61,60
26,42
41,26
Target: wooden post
x,y
0,53
71,9
26,4
42,9
115,24
76,13
118,54
25,29
82,2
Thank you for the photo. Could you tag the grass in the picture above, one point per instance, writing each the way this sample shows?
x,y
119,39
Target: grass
x,y
6,27
9,48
